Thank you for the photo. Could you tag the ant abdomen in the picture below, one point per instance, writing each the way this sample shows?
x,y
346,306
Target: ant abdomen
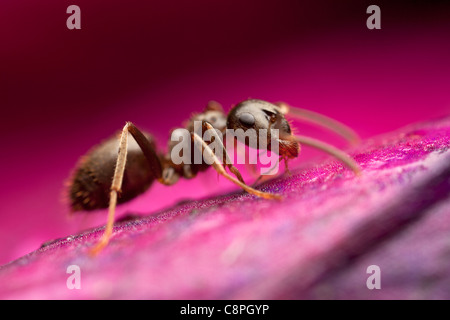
x,y
89,186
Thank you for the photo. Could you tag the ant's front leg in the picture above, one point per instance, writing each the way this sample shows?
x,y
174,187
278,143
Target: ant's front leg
x,y
209,155
226,158
262,177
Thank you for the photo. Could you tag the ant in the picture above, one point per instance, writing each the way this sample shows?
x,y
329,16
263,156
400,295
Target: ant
x,y
134,165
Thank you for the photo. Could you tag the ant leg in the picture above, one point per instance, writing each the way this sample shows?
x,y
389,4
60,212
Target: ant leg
x,y
221,170
119,170
263,177
250,167
226,158
340,155
148,150
115,189
321,120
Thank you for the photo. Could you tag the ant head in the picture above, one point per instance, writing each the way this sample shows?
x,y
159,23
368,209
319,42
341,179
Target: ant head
x,y
259,114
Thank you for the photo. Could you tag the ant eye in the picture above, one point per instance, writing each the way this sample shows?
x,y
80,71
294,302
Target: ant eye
x,y
247,119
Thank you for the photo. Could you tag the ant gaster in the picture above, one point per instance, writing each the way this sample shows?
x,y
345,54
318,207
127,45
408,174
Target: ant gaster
x,y
133,165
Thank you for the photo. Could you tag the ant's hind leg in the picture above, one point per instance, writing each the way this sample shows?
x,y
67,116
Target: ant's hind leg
x,y
209,154
115,189
321,120
119,170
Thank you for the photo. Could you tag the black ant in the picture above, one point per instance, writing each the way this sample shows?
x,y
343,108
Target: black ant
x,y
134,165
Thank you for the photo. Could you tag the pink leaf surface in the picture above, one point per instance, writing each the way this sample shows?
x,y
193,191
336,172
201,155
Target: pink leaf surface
x,y
317,243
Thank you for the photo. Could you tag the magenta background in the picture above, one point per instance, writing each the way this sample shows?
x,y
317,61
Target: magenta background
x,y
155,62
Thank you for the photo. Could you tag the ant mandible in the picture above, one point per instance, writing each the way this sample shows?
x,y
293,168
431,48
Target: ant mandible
x,y
133,165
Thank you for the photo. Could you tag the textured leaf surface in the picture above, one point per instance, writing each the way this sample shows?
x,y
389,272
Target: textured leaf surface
x,y
317,243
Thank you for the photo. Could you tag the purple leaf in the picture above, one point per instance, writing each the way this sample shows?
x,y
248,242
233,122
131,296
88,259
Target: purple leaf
x,y
317,243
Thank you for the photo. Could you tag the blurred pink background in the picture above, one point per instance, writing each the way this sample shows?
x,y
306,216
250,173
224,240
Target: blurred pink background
x,y
156,62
